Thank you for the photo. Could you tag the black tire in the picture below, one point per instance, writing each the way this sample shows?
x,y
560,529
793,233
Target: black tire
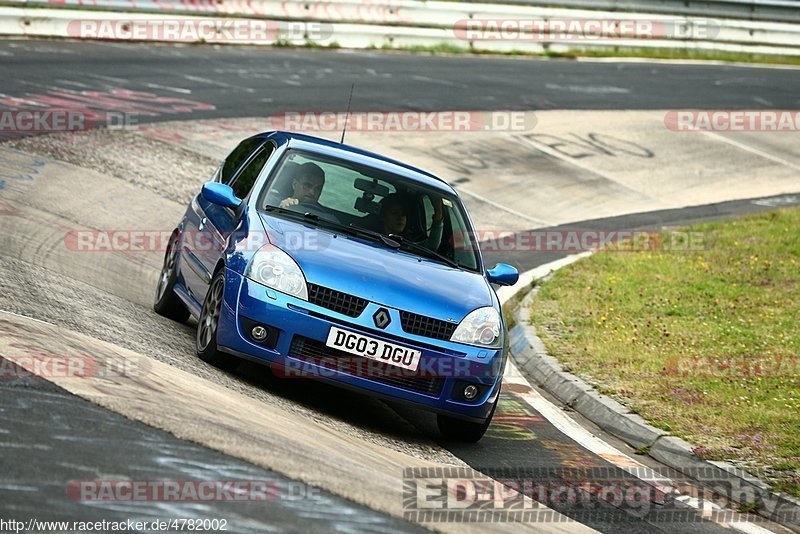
x,y
464,431
206,337
166,301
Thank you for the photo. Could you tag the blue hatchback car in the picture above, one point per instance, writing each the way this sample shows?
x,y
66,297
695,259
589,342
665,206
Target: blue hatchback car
x,y
329,262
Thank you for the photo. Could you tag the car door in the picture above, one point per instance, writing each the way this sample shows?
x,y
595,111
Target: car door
x,y
207,225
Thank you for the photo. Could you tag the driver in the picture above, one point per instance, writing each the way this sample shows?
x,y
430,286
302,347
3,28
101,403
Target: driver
x,y
306,186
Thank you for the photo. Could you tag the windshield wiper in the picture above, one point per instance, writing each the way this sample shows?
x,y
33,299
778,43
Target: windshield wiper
x,y
425,251
296,214
398,241
322,221
394,241
389,241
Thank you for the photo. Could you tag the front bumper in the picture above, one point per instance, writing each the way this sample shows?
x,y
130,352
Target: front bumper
x,y
301,329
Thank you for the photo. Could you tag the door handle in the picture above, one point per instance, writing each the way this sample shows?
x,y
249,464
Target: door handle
x,y
202,223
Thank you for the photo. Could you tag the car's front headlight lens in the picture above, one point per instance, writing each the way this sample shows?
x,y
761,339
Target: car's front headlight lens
x,y
481,327
276,269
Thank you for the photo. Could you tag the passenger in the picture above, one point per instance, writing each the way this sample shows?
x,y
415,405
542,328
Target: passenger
x,y
394,217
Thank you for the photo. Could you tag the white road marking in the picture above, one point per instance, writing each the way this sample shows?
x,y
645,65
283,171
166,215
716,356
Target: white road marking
x,y
589,89
76,84
22,99
778,201
107,78
168,88
217,83
440,82
373,72
752,150
501,207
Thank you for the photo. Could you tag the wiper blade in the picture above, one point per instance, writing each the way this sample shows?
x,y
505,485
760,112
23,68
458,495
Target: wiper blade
x,y
398,241
306,216
389,241
425,251
394,241
322,221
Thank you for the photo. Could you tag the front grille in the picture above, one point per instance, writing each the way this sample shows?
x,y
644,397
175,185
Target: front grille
x,y
337,301
317,353
426,326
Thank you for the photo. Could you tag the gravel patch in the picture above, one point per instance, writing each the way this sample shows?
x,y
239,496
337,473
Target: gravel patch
x,y
168,170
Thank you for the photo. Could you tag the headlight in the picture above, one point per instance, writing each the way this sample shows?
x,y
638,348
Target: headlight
x,y
276,269
481,327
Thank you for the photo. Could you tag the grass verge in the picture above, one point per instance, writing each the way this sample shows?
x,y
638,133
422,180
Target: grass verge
x,y
704,344
612,52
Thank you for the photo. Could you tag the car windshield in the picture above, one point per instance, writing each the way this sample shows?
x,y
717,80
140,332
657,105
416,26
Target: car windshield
x,y
370,202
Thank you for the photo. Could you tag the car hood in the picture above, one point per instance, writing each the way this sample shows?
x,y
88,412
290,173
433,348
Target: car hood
x,y
379,274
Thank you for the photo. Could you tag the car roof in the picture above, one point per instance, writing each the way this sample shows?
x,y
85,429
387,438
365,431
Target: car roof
x,y
351,153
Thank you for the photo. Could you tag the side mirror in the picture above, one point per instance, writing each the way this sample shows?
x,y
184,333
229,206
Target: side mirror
x,y
220,194
503,274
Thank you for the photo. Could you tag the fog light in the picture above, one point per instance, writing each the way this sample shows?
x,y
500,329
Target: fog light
x,y
470,392
259,333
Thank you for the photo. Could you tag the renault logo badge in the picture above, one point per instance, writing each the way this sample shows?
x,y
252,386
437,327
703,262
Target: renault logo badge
x,y
381,318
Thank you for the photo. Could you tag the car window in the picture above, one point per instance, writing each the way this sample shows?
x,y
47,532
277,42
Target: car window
x,y
247,177
340,192
237,157
464,247
345,192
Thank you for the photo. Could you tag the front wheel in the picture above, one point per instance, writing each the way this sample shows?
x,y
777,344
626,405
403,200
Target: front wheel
x,y
167,302
464,431
206,339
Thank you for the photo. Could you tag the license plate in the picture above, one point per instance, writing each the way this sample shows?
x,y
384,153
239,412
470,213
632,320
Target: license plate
x,y
374,349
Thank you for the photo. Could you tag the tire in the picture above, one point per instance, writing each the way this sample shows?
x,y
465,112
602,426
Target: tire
x,y
206,338
464,431
166,301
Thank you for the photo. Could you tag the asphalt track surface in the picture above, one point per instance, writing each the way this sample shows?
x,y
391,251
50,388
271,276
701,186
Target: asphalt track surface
x,y
255,82
45,420
248,82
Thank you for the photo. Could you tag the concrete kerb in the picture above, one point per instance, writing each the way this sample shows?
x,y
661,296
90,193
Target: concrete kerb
x,y
530,355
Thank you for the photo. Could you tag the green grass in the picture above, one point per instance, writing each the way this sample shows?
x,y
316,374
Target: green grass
x,y
610,52
684,54
705,344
